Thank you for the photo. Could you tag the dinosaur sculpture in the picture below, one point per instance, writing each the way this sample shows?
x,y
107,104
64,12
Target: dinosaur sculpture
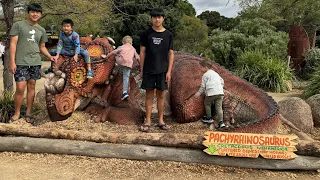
x,y
67,89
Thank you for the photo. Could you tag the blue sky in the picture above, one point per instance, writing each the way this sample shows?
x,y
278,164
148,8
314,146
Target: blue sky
x,y
230,10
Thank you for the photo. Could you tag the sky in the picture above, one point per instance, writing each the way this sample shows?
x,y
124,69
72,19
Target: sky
x,y
230,10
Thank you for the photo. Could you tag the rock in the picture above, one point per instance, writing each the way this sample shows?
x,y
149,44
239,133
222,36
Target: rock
x,y
40,98
314,103
298,112
60,84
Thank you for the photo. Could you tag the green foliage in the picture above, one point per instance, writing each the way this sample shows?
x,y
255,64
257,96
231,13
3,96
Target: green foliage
x,y
283,13
88,17
313,87
6,106
135,16
312,62
267,72
186,8
191,35
214,20
227,46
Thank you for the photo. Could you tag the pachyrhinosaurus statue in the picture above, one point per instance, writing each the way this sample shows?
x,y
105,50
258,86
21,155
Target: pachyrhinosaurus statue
x,y
68,89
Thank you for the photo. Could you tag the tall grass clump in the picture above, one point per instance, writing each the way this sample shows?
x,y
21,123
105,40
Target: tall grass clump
x,y
6,106
313,87
266,72
312,63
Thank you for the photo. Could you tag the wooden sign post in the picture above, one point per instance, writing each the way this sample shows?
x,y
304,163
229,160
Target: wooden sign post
x,y
250,145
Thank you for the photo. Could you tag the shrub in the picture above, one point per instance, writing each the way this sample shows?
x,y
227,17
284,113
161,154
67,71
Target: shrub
x,y
227,46
312,62
6,106
313,87
265,71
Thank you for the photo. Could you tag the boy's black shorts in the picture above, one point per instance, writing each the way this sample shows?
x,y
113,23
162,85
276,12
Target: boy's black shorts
x,y
154,81
26,73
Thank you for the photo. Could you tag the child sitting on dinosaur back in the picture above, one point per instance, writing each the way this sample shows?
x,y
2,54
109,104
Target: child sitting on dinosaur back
x,y
126,55
69,45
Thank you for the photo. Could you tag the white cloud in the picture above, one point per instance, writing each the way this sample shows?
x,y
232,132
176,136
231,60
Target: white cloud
x,y
229,10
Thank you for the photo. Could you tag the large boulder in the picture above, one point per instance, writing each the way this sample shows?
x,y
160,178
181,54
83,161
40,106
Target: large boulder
x,y
298,112
40,99
314,103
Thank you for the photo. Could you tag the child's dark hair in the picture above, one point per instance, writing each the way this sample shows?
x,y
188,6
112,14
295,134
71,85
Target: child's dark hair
x,y
157,12
67,21
34,7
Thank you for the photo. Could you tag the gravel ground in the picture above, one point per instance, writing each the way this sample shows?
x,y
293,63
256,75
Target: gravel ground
x,y
26,166
47,166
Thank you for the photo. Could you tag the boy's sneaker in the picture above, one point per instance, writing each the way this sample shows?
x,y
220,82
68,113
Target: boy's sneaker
x,y
90,74
206,119
124,96
221,124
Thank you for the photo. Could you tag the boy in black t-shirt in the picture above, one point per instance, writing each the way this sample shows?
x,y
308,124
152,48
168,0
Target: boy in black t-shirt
x,y
156,59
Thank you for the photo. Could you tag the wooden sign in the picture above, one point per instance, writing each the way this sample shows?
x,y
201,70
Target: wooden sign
x,y
250,145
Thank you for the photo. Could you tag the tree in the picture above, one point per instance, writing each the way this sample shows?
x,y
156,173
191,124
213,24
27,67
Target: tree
x,y
283,13
135,15
90,17
214,20
192,34
8,8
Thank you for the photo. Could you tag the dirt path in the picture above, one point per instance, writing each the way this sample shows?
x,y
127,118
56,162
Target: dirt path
x,y
47,166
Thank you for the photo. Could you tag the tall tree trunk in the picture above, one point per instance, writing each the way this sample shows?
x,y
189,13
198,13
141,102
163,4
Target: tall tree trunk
x,y
8,12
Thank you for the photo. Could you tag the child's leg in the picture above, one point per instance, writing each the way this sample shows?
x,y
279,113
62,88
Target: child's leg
x,y
86,56
218,107
207,106
126,75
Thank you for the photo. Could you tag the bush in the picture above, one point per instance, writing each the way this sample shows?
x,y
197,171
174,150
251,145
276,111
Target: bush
x,y
265,71
6,106
227,46
192,35
312,62
313,87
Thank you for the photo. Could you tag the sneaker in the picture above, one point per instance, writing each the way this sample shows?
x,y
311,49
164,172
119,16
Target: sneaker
x,y
221,124
124,96
47,71
206,119
90,74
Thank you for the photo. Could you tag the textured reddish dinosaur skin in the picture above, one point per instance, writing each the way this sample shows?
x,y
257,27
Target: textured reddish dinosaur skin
x,y
186,79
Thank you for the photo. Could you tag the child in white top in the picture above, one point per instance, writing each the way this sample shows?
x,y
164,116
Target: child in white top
x,y
212,86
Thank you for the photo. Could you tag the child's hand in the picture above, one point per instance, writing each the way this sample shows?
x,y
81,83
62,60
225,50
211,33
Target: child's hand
x,y
52,58
56,57
75,57
103,56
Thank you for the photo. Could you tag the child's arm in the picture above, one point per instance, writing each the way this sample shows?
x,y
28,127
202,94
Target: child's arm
x,y
76,41
136,56
202,88
115,52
